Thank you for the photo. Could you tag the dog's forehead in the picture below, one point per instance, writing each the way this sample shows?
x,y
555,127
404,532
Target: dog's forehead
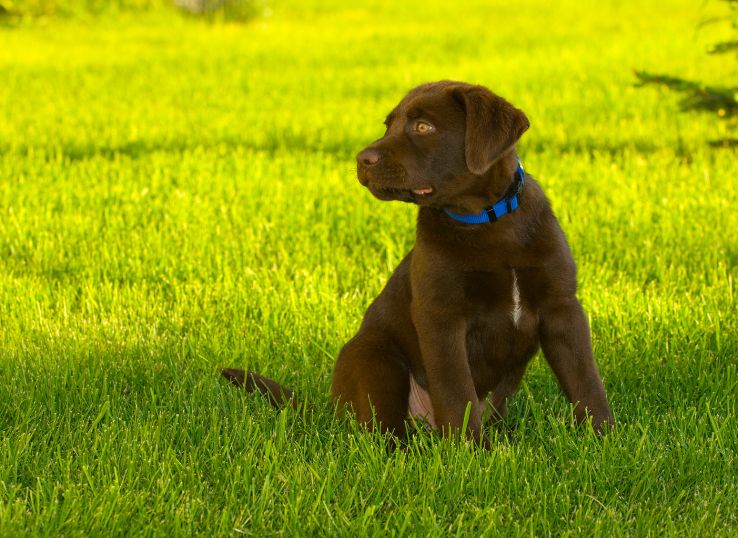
x,y
425,102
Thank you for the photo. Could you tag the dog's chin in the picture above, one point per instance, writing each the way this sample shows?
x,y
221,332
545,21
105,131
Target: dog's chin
x,y
419,196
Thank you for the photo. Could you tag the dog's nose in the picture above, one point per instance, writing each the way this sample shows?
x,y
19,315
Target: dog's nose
x,y
369,157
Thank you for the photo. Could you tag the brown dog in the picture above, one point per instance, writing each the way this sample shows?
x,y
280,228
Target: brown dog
x,y
490,277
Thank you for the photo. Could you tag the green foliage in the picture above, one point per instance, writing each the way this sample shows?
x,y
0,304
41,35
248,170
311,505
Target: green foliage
x,y
177,196
699,96
720,100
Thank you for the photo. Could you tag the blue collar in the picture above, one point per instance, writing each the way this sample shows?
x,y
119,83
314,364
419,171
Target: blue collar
x,y
508,204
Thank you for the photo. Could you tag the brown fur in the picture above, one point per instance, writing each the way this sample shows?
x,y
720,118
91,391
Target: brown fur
x,y
446,321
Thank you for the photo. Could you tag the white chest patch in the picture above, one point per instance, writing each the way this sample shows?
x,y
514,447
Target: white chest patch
x,y
517,308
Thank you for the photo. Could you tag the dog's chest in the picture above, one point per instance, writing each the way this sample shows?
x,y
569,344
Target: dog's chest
x,y
501,325
501,334
492,296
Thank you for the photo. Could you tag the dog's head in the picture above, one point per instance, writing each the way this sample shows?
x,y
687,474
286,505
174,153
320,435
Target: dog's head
x,y
440,139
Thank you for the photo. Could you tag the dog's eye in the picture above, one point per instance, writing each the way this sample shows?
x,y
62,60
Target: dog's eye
x,y
423,127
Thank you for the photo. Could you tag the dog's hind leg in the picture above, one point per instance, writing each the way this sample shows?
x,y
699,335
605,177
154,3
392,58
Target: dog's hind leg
x,y
371,379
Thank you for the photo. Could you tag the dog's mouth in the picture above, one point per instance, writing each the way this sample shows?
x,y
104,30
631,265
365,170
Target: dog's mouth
x,y
407,195
423,191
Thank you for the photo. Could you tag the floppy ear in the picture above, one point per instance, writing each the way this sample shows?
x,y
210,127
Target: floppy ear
x,y
492,126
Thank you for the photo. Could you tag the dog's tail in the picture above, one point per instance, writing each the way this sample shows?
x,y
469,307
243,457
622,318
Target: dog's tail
x,y
276,394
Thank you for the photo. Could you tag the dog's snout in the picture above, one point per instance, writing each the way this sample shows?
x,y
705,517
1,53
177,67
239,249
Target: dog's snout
x,y
369,157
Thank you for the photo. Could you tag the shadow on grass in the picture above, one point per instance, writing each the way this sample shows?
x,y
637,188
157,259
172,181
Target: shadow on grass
x,y
74,389
728,143
340,151
590,147
141,148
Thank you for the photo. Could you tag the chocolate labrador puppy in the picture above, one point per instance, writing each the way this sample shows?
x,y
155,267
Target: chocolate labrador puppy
x,y
489,280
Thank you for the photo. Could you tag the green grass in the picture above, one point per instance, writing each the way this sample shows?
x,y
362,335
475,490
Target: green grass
x,y
176,196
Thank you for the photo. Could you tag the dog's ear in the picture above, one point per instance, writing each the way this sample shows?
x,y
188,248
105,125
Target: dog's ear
x,y
492,126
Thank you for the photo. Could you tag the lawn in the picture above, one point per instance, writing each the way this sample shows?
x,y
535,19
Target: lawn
x,y
178,195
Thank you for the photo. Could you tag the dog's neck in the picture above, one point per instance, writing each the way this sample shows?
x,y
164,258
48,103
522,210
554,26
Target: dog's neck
x,y
491,196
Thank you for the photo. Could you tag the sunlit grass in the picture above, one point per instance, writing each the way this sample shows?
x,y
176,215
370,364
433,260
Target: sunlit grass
x,y
177,196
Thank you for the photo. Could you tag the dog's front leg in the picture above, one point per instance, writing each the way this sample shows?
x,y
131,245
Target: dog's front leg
x,y
567,346
450,384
